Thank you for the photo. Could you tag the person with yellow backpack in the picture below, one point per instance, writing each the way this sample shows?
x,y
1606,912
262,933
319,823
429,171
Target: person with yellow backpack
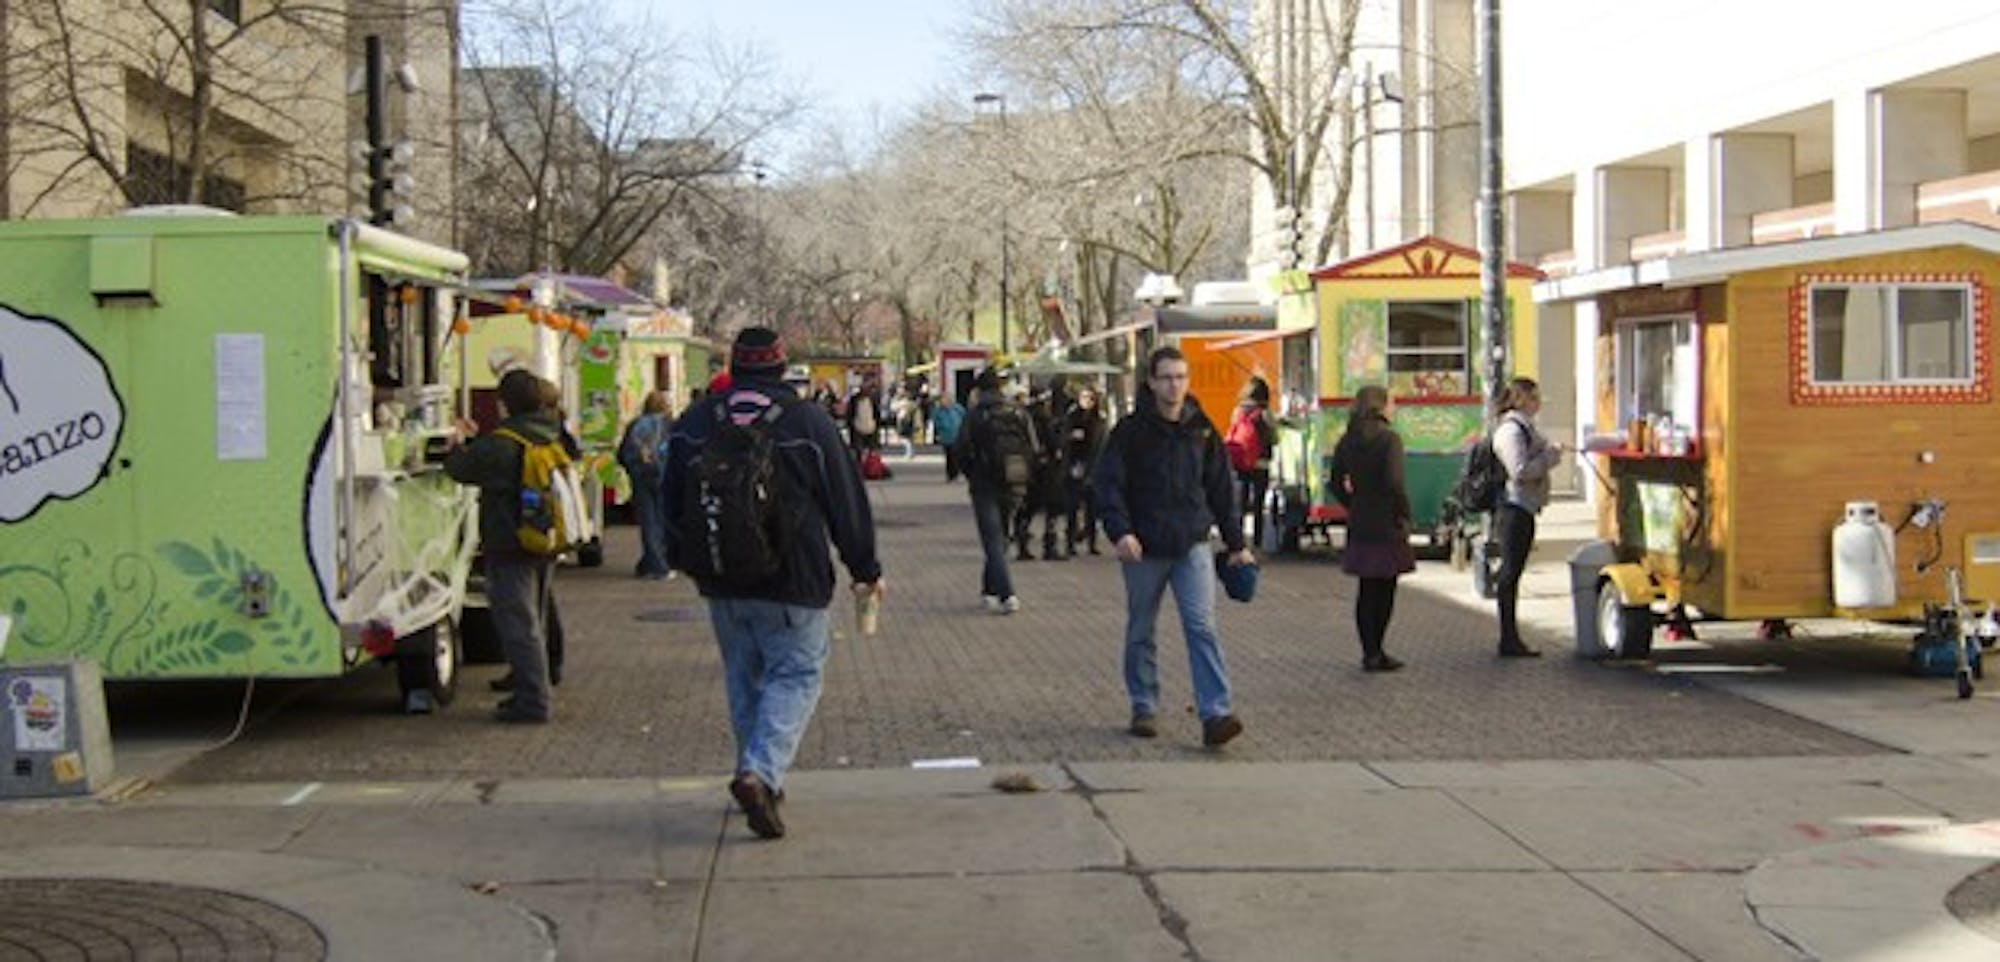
x,y
530,513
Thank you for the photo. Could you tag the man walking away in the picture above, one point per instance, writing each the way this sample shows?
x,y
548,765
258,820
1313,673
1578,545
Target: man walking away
x,y
639,455
517,582
996,450
756,481
1162,482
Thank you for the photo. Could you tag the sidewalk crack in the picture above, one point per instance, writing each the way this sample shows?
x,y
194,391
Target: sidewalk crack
x,y
1171,920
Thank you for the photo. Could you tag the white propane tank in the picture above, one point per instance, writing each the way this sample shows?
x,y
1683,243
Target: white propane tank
x,y
1864,559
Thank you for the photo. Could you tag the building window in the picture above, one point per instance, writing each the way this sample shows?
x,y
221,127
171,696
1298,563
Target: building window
x,y
1890,334
1875,338
1659,370
230,10
154,178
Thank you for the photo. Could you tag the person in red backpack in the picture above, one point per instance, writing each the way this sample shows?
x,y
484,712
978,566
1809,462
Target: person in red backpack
x,y
1253,434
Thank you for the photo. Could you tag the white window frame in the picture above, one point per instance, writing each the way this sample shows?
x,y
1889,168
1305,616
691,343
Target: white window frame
x,y
1463,351
1893,339
1686,381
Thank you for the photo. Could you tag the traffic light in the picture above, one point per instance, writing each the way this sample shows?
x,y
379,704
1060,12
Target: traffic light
x,y
1291,235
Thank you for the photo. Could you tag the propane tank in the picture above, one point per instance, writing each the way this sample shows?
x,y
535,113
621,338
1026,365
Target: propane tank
x,y
1864,559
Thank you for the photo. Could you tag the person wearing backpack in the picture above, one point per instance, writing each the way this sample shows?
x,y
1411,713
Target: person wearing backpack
x,y
1047,494
1162,482
864,416
996,451
1528,457
1366,476
1253,434
758,484
639,454
517,575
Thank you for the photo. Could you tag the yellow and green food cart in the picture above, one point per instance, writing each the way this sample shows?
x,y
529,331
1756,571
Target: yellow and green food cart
x,y
220,440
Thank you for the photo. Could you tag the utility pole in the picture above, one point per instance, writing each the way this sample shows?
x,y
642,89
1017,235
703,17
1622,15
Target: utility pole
x,y
1492,251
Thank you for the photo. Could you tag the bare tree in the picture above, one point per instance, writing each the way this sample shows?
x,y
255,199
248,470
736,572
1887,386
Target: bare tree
x,y
171,101
587,131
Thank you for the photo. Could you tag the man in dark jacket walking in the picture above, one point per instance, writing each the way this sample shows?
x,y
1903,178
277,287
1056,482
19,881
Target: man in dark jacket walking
x,y
993,434
517,583
773,633
1162,483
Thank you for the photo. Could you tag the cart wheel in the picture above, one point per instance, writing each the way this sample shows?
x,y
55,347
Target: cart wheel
x,y
1623,631
1965,683
427,667
591,555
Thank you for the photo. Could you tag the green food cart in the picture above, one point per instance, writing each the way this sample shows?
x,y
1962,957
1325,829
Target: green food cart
x,y
219,449
1407,317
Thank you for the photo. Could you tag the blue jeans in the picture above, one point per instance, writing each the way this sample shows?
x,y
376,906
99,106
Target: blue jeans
x,y
649,503
992,519
1193,579
771,659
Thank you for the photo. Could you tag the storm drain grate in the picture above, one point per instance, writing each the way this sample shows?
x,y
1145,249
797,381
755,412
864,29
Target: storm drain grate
x,y
682,613
90,919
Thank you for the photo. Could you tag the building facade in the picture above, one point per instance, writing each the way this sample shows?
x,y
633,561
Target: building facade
x,y
103,107
1638,134
1399,159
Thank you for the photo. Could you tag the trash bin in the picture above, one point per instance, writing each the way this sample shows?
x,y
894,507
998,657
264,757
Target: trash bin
x,y
1586,563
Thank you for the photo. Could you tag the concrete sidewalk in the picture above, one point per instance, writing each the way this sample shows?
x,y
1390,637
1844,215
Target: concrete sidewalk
x,y
1848,857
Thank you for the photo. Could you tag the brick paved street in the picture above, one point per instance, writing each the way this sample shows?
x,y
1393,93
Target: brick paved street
x,y
643,695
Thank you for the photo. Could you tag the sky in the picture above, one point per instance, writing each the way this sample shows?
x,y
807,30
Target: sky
x,y
850,56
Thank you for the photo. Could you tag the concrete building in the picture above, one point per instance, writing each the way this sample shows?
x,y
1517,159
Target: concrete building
x,y
1641,133
101,111
1399,158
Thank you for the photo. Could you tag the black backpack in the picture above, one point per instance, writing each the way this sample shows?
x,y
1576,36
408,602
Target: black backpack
x,y
1484,479
732,519
1008,448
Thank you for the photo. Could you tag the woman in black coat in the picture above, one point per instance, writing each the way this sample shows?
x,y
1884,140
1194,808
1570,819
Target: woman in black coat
x,y
1367,478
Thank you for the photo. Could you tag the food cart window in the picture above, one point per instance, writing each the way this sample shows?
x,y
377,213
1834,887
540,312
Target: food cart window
x,y
1891,334
1658,369
1427,336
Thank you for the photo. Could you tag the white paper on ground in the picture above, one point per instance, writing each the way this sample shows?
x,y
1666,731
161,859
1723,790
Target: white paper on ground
x,y
964,762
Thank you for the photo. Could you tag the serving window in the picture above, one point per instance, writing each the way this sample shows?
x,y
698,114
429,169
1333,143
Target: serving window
x,y
1858,339
1658,369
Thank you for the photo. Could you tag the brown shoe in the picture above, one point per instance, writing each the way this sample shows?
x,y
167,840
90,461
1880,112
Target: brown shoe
x,y
759,806
1143,726
1216,732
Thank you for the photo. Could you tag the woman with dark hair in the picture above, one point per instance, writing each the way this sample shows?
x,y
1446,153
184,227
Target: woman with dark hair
x,y
1253,433
1527,456
1367,478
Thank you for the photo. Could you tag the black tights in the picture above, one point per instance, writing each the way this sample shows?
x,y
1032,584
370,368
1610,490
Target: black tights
x,y
1515,530
1372,608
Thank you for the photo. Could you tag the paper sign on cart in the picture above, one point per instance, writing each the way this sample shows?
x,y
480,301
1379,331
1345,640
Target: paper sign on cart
x,y
38,706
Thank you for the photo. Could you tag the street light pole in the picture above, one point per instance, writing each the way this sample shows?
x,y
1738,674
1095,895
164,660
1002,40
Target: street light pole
x,y
1492,254
1006,270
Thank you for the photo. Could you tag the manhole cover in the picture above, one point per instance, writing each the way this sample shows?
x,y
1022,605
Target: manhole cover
x,y
673,614
1976,901
83,919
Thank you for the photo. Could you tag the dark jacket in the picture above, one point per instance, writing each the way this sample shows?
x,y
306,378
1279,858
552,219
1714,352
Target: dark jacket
x,y
1166,481
493,463
822,487
975,451
1367,478
1083,438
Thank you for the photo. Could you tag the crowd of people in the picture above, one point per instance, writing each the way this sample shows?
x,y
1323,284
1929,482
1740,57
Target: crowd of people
x,y
756,484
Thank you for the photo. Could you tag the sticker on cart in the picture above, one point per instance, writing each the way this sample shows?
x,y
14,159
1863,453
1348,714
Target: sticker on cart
x,y
37,705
